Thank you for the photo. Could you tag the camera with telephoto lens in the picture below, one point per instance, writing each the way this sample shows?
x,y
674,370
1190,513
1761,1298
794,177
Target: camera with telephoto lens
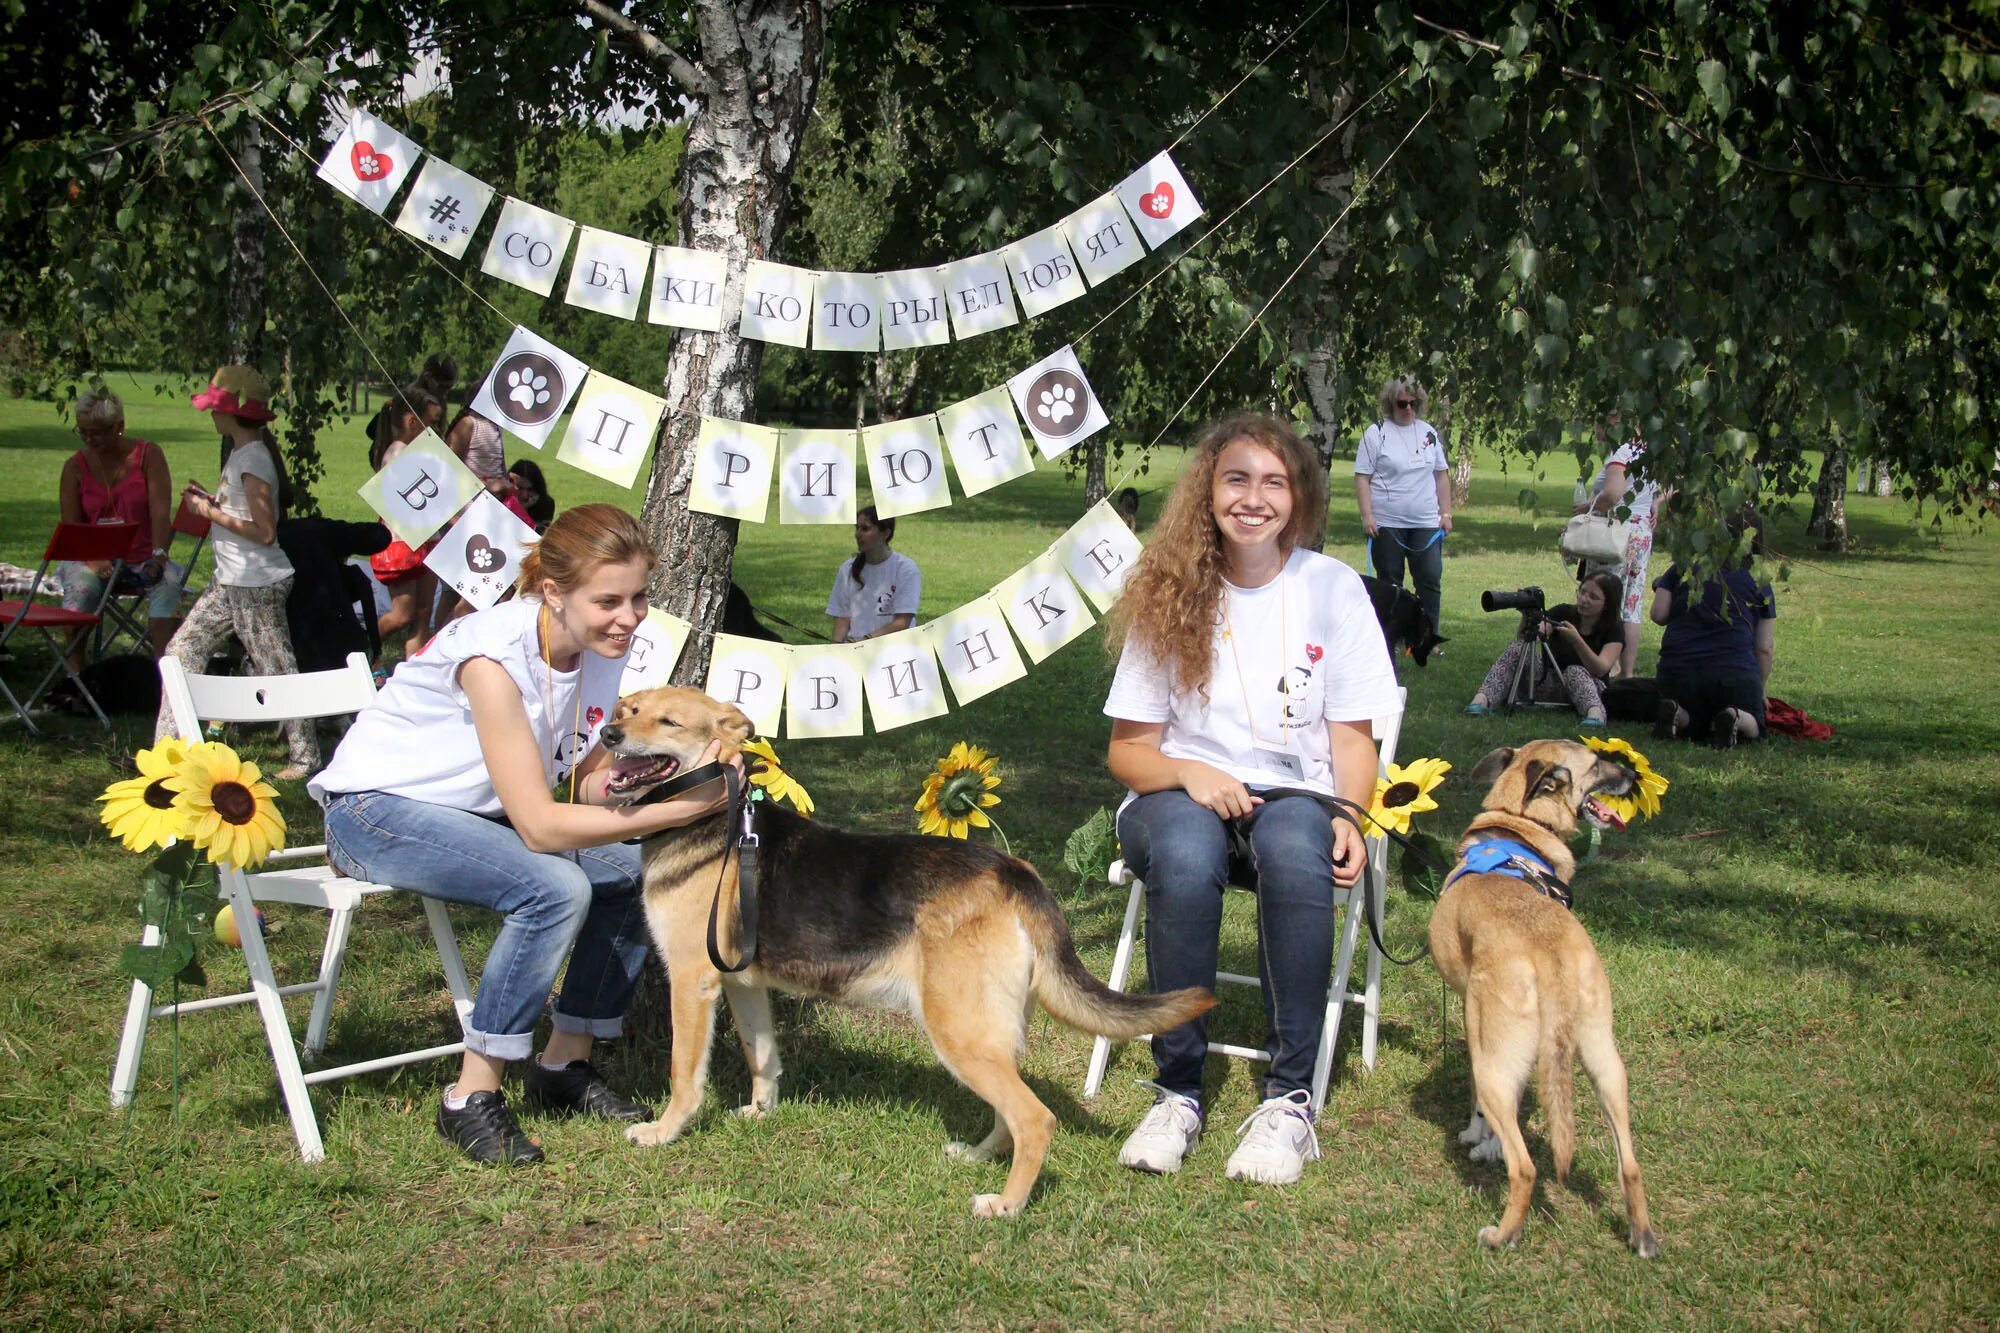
x,y
1528,601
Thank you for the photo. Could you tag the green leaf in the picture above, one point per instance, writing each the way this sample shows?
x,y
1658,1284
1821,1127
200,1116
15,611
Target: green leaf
x,y
1091,847
1953,201
1483,116
1552,349
206,57
1714,80
1415,876
1518,322
1555,311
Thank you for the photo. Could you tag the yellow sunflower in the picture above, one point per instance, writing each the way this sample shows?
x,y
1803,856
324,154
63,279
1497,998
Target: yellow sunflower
x,y
1406,792
1644,799
958,793
140,812
232,812
776,782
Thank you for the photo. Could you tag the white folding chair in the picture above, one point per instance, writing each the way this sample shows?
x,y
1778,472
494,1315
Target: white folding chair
x,y
1374,882
197,700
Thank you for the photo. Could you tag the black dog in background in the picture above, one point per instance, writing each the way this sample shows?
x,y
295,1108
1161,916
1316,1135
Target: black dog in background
x,y
1405,627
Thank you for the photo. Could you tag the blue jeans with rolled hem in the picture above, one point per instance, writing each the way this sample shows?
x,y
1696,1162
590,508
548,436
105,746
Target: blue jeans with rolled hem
x,y
585,906
1181,850
1422,549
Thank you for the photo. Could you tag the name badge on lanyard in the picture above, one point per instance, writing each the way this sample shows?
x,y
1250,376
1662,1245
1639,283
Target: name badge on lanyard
x,y
1280,761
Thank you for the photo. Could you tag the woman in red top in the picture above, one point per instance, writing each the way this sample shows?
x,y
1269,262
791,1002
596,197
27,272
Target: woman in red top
x,y
115,479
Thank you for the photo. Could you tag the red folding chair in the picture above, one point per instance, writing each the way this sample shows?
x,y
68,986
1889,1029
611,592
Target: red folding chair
x,y
72,541
123,616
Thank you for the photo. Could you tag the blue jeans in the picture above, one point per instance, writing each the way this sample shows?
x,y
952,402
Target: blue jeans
x,y
552,901
1181,850
1422,549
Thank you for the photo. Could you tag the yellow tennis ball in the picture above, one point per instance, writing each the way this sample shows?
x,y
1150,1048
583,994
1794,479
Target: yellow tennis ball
x,y
225,926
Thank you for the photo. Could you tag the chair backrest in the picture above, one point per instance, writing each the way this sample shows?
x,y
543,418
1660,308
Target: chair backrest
x,y
196,700
90,541
1389,729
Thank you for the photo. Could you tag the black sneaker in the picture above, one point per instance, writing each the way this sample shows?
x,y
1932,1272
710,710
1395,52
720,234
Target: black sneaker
x,y
1722,732
577,1089
1663,722
485,1131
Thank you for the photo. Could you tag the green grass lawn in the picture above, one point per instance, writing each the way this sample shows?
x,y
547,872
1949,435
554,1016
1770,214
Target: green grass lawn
x,y
1802,947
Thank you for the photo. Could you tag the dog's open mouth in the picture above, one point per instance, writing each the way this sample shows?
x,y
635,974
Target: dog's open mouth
x,y
630,772
1602,815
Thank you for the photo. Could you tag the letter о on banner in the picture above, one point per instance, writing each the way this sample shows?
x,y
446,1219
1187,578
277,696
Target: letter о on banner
x,y
612,429
904,684
527,247
418,491
1044,607
777,303
479,558
732,469
750,673
1099,552
823,694
656,647
816,476
609,275
529,387
847,312
985,440
905,466
687,288
976,650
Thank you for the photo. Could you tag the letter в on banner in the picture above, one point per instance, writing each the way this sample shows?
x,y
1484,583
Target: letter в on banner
x,y
656,647
913,308
1057,403
985,440
732,470
1044,271
479,557
1044,607
976,650
420,490
612,429
905,466
1160,202
369,162
527,247
529,387
750,673
687,288
978,296
1103,239
1099,552
777,303
609,273
904,684
823,692
847,312
444,207
816,476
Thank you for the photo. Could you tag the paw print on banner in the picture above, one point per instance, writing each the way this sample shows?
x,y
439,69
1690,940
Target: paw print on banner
x,y
530,388
1057,403
527,390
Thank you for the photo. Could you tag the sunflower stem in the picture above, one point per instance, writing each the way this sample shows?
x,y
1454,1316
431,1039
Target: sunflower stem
x,y
1596,840
1001,834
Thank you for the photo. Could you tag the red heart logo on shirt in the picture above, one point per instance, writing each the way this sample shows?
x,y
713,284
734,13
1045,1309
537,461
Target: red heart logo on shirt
x,y
1160,203
592,716
1314,652
369,165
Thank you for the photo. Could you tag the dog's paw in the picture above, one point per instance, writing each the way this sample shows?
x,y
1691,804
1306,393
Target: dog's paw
x,y
991,1205
968,1152
1492,1238
1488,1149
754,1110
1646,1244
652,1134
1475,1131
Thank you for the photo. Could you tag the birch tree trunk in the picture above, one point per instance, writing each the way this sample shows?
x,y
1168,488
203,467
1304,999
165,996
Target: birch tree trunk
x,y
1315,332
243,293
1829,514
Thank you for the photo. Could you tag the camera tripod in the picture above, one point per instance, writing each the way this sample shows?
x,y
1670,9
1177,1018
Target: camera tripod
x,y
1525,686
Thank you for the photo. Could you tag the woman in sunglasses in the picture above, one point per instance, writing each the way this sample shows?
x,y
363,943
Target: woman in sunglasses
x,y
1402,482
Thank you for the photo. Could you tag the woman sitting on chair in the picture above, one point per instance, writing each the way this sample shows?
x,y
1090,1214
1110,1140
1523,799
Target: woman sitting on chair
x,y
444,786
1249,662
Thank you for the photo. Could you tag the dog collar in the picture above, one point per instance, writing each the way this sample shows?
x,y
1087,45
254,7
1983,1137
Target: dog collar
x,y
1516,860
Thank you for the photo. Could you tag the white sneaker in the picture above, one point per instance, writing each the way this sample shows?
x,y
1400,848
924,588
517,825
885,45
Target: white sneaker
x,y
1278,1141
1164,1135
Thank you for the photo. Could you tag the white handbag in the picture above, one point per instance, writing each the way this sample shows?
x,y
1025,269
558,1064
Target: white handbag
x,y
1598,538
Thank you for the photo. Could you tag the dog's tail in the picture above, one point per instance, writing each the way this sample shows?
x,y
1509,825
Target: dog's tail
x,y
1556,1049
1067,989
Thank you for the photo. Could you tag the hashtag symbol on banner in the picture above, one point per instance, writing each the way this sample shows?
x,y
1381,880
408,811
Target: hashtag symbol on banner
x,y
444,210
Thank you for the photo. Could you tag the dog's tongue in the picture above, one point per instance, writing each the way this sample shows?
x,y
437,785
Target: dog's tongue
x,y
1607,814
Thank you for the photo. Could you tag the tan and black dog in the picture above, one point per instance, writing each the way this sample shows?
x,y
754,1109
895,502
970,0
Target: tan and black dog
x,y
1535,992
962,937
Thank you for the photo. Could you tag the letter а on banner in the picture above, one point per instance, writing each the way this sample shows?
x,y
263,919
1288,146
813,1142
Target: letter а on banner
x,y
732,470
420,490
609,274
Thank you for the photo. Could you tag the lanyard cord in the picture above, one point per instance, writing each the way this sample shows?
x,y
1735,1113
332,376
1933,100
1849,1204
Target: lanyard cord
x,y
1235,657
549,699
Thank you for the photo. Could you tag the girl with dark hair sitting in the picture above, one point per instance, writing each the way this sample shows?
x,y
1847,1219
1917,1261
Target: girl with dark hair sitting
x,y
876,592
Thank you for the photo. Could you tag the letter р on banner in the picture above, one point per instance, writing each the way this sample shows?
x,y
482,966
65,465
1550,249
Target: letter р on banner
x,y
816,476
977,651
904,684
611,431
732,470
444,207
369,162
1044,272
777,303
905,466
609,275
823,692
978,296
1098,552
687,288
1044,607
527,247
750,673
913,308
656,647
421,489
847,315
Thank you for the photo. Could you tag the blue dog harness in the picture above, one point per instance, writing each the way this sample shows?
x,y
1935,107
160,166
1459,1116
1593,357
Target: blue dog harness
x,y
1504,856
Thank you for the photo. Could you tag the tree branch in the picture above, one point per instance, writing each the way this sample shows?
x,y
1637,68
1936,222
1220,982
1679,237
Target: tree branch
x,y
690,76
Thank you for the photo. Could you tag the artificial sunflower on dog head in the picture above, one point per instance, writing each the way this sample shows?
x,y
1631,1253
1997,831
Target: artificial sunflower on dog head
x,y
777,784
1643,801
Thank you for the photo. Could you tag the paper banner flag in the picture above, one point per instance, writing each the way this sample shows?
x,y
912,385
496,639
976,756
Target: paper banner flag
x,y
732,469
527,247
1159,201
444,207
978,297
1098,552
913,312
1044,271
984,437
420,489
777,303
1044,607
750,673
656,647
609,273
904,684
823,694
1102,238
479,557
1056,402
816,476
905,466
612,429
847,312
369,162
529,386
687,288
976,650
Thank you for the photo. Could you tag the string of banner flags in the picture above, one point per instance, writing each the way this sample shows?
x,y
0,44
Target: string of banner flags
x,y
850,312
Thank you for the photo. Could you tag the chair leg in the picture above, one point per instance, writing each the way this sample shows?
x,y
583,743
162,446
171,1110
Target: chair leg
x,y
1121,964
330,963
1377,884
20,709
454,965
62,667
277,1028
132,1044
1336,994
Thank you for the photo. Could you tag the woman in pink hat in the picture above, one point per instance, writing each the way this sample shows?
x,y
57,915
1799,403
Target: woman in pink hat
x,y
252,575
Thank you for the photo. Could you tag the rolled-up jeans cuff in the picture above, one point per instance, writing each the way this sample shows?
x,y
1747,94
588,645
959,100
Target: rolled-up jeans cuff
x,y
499,1046
601,1028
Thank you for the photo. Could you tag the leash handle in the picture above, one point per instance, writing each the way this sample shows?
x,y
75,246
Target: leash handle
x,y
743,839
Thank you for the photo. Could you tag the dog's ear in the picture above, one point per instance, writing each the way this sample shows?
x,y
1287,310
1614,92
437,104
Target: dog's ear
x,y
1545,779
733,726
1493,765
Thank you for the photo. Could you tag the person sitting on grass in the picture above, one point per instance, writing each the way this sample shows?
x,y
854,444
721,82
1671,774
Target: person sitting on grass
x,y
1585,638
1715,654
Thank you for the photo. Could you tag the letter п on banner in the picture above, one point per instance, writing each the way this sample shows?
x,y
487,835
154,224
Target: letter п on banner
x,y
847,312
444,207
420,490
1160,202
732,470
609,274
976,650
904,684
369,162
823,693
905,466
1103,238
1044,607
656,647
687,288
978,297
1099,552
777,303
1044,271
816,476
479,558
750,673
1057,403
611,431
527,246
529,387
913,308
985,440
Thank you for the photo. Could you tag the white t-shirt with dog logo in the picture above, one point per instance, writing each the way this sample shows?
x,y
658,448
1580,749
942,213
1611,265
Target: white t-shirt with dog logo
x,y
889,589
417,739
1310,652
1402,463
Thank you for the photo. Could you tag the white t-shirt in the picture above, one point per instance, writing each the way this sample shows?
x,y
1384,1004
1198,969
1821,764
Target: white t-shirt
x,y
239,562
887,590
1404,462
417,738
1640,491
1310,653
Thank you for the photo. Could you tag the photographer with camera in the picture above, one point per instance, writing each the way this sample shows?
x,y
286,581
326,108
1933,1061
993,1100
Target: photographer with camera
x,y
1582,640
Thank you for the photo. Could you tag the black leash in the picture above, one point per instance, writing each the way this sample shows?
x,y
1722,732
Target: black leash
x,y
738,835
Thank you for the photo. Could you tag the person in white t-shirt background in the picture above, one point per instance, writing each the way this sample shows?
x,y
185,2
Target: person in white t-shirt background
x,y
1622,488
1247,662
1402,483
878,591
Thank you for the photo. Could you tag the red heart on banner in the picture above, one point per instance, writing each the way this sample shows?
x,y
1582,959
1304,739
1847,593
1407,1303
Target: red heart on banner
x,y
1314,652
593,715
369,165
1160,202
